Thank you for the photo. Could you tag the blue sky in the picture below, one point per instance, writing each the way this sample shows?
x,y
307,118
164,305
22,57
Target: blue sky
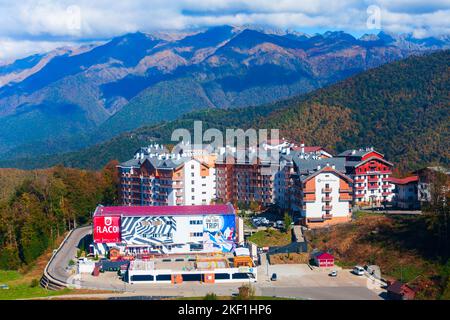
x,y
31,26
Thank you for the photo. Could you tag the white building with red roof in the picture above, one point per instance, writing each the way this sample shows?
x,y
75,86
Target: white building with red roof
x,y
371,175
406,193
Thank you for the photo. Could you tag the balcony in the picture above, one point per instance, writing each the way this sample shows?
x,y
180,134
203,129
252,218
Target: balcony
x,y
309,191
359,180
372,179
346,197
387,179
327,216
386,186
345,189
327,208
375,186
326,199
326,190
387,193
360,187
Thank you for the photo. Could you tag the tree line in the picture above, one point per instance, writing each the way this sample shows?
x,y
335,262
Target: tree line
x,y
46,205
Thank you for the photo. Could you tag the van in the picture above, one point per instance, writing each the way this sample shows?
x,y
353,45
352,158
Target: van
x,y
358,270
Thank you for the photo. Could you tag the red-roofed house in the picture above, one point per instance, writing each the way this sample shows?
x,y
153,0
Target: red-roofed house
x,y
324,259
406,194
400,291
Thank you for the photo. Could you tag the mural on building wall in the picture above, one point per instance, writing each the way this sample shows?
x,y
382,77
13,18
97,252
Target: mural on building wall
x,y
219,233
156,231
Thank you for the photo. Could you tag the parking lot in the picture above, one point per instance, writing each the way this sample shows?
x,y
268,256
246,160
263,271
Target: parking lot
x,y
293,281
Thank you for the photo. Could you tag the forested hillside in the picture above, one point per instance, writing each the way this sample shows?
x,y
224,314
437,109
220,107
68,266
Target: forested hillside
x,y
401,109
41,205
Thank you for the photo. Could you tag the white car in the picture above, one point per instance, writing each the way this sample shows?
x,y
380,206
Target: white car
x,y
358,270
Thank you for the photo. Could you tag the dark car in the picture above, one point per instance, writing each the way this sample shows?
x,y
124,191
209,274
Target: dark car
x,y
273,277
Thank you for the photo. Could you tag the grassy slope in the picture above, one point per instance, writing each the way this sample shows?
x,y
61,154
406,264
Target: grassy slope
x,y
271,237
397,244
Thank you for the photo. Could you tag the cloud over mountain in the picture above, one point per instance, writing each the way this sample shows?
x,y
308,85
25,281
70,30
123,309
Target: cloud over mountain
x,y
51,21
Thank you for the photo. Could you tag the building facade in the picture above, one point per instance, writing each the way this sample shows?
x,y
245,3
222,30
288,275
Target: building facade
x,y
155,177
323,193
406,193
371,175
152,230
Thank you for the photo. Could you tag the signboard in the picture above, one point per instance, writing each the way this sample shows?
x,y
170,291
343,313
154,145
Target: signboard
x,y
106,229
219,232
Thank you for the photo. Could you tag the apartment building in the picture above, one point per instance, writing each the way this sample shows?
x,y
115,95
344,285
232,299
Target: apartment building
x,y
371,175
155,177
322,191
406,192
246,179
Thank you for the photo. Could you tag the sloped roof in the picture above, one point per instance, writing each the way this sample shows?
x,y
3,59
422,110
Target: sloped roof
x,y
404,180
324,256
218,209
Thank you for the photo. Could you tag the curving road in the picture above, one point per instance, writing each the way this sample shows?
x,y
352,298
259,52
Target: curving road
x,y
67,251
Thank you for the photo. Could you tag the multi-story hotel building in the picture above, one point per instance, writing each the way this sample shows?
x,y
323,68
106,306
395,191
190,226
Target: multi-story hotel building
x,y
371,174
322,192
155,177
246,180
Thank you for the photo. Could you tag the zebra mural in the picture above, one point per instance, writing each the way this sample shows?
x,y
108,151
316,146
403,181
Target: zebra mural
x,y
152,231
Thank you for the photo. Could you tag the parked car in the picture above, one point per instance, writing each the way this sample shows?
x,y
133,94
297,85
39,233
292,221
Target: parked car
x,y
333,273
273,277
280,224
358,270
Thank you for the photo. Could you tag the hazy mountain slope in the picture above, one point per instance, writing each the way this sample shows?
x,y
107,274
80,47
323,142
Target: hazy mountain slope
x,y
402,109
72,98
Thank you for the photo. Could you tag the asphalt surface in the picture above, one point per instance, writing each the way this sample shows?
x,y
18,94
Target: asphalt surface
x,y
56,268
294,281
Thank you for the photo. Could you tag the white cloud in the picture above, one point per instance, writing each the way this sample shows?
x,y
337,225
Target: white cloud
x,y
74,20
11,49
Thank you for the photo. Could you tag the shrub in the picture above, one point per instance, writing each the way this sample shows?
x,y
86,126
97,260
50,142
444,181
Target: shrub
x,y
34,283
246,292
210,296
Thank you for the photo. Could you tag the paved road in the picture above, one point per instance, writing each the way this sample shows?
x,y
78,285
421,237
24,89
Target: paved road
x,y
295,281
68,251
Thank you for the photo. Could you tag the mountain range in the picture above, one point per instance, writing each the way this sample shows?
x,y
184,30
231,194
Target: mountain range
x,y
400,108
72,98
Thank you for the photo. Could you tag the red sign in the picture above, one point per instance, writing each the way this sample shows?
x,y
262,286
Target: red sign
x,y
106,229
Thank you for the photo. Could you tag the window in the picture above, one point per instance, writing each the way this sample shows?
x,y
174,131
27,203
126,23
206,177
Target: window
x,y
192,277
142,278
241,276
163,277
196,234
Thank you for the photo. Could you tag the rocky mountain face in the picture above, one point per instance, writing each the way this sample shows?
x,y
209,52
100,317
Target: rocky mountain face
x,y
70,98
